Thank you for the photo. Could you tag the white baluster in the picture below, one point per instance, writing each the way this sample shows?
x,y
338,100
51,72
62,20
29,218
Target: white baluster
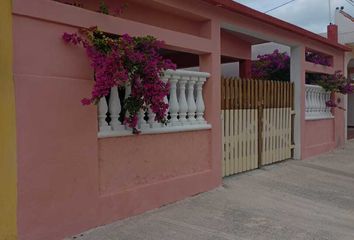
x,y
310,101
324,107
115,109
182,100
328,109
142,124
318,98
317,102
200,100
173,103
322,103
192,107
315,98
307,101
152,122
165,78
102,114
128,90
313,101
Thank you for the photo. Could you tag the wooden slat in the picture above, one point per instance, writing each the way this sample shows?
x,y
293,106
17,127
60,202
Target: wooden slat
x,y
266,119
253,141
240,126
223,125
275,124
248,116
269,119
236,130
222,93
264,132
278,127
282,122
227,128
287,116
260,122
232,126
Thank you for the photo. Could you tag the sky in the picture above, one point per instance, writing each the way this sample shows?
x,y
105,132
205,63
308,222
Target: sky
x,y
312,15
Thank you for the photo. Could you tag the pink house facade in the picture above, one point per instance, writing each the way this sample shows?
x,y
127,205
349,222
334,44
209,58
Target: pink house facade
x,y
66,175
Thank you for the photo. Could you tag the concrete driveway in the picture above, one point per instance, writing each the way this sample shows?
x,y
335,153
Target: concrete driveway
x,y
311,199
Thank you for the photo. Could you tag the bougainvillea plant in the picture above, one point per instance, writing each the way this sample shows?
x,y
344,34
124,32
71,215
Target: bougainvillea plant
x,y
335,83
274,66
317,58
126,61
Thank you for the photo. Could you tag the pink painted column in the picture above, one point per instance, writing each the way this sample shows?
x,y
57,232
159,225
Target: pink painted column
x,y
211,63
297,75
245,68
340,115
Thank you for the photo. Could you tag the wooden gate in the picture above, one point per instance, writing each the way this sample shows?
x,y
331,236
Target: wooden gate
x,y
256,123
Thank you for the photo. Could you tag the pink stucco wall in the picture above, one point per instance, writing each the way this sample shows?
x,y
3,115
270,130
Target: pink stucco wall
x,y
149,159
322,136
69,180
319,137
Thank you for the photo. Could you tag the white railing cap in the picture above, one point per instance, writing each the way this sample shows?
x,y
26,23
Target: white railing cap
x,y
313,86
187,73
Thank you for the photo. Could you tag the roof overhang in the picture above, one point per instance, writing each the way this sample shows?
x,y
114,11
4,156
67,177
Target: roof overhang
x,y
249,12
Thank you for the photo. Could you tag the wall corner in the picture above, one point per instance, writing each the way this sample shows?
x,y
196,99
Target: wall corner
x,y
8,159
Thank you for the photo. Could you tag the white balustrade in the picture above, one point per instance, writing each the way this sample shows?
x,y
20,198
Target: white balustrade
x,y
315,104
185,111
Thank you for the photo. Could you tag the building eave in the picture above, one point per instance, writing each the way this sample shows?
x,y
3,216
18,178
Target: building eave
x,y
249,12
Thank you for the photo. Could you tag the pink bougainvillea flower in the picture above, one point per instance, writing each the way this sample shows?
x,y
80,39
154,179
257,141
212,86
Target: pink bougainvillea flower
x,y
117,61
331,103
86,101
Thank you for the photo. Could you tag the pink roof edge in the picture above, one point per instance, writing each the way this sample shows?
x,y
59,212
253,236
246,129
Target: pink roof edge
x,y
249,12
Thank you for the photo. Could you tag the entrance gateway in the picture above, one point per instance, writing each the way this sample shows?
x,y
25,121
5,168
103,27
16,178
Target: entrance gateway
x,y
257,123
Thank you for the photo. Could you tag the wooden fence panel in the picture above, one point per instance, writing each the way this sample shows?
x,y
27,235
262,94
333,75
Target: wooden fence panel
x,y
256,123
